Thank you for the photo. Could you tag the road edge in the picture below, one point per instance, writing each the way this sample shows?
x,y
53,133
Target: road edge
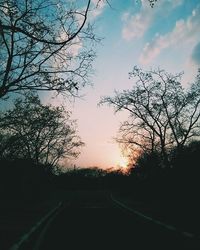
x,y
27,235
152,220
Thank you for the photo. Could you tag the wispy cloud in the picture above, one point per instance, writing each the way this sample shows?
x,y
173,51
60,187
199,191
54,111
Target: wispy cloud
x,y
184,32
98,8
135,25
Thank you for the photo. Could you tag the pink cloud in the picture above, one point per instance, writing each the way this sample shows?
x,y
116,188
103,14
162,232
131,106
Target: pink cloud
x,y
135,25
184,32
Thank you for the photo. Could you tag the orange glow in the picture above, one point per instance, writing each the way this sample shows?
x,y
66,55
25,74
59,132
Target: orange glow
x,y
122,163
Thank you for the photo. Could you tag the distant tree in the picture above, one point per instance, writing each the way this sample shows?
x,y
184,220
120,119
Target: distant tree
x,y
44,45
39,132
162,114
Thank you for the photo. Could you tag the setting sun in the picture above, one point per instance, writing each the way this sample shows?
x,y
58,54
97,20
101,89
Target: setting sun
x,y
122,163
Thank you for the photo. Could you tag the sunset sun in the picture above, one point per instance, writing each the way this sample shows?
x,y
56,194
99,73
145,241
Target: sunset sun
x,y
122,163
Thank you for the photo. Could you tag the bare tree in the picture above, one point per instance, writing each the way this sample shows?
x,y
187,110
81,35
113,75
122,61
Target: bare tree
x,y
152,2
45,45
39,132
162,114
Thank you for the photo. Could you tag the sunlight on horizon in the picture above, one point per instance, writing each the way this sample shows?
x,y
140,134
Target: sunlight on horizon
x,y
122,162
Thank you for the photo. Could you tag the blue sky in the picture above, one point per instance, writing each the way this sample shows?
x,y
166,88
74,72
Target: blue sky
x,y
166,36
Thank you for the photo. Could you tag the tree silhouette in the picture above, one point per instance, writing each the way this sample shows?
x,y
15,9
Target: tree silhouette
x,y
162,114
44,45
152,2
39,132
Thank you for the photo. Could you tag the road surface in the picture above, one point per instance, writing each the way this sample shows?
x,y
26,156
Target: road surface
x,y
92,221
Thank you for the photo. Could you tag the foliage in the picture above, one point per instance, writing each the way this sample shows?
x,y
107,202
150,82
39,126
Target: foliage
x,y
23,180
147,165
185,161
39,132
180,180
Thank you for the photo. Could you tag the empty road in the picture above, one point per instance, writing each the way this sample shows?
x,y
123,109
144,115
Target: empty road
x,y
92,221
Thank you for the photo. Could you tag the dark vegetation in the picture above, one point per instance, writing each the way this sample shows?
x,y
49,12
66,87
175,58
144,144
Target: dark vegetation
x,y
23,179
161,136
46,134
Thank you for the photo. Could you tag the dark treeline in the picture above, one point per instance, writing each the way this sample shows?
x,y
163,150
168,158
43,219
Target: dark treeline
x,y
147,180
179,181
24,180
21,180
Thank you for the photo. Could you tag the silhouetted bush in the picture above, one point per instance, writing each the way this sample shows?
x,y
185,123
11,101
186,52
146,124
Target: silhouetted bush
x,y
21,179
186,171
178,181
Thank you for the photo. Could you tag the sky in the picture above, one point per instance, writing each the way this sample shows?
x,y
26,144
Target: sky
x,y
166,36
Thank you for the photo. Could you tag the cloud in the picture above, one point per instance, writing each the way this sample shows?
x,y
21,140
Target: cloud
x,y
135,25
99,6
75,48
184,32
196,54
